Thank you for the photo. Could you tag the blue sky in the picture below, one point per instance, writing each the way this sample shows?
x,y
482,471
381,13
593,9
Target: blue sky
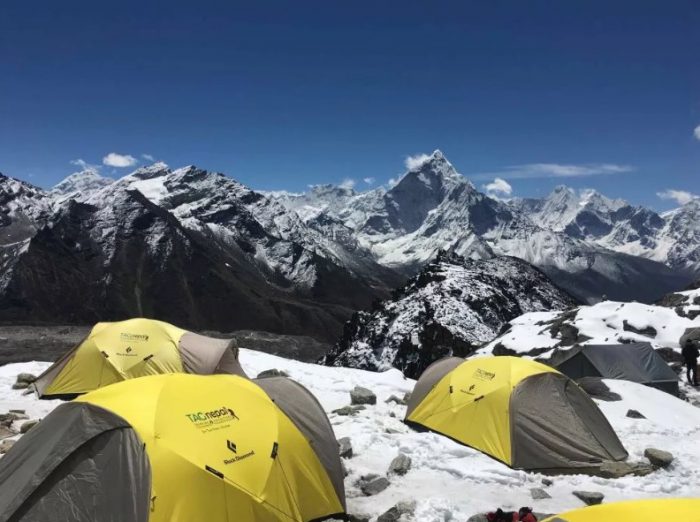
x,y
280,95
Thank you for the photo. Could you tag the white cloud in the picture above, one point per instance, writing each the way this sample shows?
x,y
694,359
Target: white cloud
x,y
369,181
393,181
556,170
498,186
413,162
680,196
696,132
347,183
119,160
148,157
84,165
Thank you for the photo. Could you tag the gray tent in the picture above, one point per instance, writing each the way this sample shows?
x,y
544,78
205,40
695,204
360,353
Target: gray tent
x,y
630,362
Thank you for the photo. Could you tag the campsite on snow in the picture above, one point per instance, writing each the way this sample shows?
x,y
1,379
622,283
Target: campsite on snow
x,y
349,261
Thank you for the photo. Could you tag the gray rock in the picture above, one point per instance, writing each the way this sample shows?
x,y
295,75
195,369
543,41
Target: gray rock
x,y
360,395
400,465
397,400
26,377
590,498
345,447
634,414
547,482
5,446
6,431
274,372
374,486
21,385
18,411
613,470
349,410
393,514
358,518
647,331
406,397
659,458
539,494
28,425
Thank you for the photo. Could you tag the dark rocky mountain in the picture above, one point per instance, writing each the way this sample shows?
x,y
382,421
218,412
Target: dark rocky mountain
x,y
190,247
453,306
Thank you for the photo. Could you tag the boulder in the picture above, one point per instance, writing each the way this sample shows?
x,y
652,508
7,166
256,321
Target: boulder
x,y
5,445
590,498
349,410
613,470
373,484
691,337
634,414
659,458
400,465
358,518
539,494
647,331
360,395
547,482
21,385
345,447
28,425
274,372
394,513
29,378
596,388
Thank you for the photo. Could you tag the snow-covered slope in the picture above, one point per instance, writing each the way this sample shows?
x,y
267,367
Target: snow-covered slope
x,y
448,481
79,186
608,322
432,207
452,306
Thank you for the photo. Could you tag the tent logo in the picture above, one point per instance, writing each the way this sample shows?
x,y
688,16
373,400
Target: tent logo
x,y
483,375
213,418
129,337
231,445
469,391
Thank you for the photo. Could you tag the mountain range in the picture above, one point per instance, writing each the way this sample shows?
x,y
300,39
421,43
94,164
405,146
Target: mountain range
x,y
199,249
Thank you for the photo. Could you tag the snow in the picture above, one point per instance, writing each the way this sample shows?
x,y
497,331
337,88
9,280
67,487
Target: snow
x,y
603,323
450,481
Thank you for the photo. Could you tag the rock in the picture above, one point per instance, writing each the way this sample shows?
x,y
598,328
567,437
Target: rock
x,y
18,411
21,385
659,458
691,337
647,331
478,518
6,431
634,414
539,494
358,518
395,399
613,470
596,388
547,482
393,514
406,397
5,446
360,395
374,486
274,372
345,447
26,377
28,425
590,498
670,355
400,465
349,410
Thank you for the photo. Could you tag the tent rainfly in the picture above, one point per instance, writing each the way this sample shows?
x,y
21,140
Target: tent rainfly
x,y
687,509
114,352
637,362
520,412
177,448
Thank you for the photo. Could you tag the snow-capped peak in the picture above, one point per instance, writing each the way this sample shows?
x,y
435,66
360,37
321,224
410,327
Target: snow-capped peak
x,y
88,180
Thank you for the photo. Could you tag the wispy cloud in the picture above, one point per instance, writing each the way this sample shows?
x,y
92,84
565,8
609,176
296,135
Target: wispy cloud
x,y
369,181
84,165
679,196
498,187
114,159
555,170
415,161
696,132
347,183
148,157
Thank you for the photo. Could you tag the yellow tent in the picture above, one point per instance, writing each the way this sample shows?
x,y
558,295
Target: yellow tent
x,y
113,352
178,448
521,412
659,510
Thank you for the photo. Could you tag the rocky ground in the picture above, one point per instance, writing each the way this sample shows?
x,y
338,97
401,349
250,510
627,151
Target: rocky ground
x,y
22,343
